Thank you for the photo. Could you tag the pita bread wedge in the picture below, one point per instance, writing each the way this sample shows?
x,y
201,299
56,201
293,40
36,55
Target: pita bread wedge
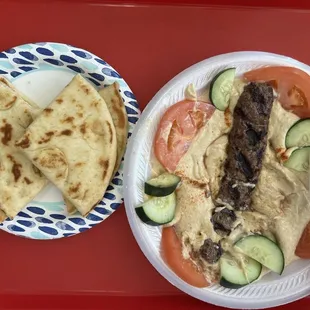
x,y
3,216
71,209
20,181
73,143
117,109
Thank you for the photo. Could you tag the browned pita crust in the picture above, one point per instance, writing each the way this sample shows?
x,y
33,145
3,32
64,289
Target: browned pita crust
x,y
73,143
117,109
19,182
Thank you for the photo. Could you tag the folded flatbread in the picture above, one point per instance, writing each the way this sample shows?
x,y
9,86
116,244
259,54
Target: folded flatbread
x,y
20,181
73,143
117,109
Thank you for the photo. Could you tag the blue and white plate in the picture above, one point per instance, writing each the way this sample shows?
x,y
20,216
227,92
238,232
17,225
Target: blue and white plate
x,y
41,71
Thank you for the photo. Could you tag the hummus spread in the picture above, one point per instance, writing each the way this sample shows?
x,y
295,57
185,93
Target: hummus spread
x,y
280,199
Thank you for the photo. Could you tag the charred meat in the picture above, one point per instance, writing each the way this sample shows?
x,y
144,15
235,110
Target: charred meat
x,y
223,221
247,144
245,152
210,251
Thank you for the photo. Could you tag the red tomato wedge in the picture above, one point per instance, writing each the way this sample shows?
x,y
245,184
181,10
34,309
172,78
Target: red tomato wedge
x,y
171,248
177,128
292,85
303,246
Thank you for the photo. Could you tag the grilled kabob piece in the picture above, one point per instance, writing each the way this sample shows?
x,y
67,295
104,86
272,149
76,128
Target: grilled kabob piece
x,y
247,143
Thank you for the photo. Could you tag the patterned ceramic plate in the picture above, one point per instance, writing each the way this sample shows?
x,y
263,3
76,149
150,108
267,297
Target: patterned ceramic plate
x,y
41,71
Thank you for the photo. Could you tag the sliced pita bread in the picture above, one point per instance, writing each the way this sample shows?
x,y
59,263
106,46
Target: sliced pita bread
x,y
117,109
73,143
20,181
71,209
3,216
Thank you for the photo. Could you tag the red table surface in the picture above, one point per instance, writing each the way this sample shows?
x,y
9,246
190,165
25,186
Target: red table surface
x,y
104,267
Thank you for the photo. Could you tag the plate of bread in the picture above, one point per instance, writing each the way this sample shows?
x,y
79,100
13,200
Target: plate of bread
x,y
65,116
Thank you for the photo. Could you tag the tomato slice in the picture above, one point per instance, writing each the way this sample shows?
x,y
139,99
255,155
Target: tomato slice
x,y
177,128
303,246
292,85
171,248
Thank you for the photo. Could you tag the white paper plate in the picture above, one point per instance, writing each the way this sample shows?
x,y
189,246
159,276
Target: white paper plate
x,y
272,290
40,71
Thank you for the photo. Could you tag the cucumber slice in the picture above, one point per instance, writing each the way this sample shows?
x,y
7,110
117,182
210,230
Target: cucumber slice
x,y
163,185
220,88
298,134
263,250
157,210
233,276
299,159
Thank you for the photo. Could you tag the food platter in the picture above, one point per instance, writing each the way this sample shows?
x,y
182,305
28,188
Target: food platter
x,y
271,290
40,71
